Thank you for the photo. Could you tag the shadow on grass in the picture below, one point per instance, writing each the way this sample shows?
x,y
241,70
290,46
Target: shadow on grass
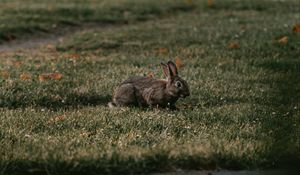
x,y
279,115
65,17
155,161
282,121
70,100
260,6
74,100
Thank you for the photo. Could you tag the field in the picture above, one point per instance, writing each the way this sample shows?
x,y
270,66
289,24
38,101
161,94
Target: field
x,y
240,58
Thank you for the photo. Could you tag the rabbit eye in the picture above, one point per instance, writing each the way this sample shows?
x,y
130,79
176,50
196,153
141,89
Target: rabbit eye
x,y
178,84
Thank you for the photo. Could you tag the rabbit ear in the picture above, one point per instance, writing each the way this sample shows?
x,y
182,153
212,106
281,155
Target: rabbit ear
x,y
165,69
172,68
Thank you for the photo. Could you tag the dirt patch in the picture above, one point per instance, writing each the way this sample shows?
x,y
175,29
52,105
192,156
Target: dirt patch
x,y
48,39
28,44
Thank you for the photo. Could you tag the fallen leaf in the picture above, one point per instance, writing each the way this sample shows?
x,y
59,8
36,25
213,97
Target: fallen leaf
x,y
72,55
150,74
243,27
37,66
50,7
42,78
284,40
51,76
86,134
57,119
4,74
233,45
50,46
189,2
210,3
186,106
56,76
179,63
296,28
17,63
25,76
162,51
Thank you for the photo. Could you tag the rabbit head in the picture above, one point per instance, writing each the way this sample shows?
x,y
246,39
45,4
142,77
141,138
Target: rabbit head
x,y
176,86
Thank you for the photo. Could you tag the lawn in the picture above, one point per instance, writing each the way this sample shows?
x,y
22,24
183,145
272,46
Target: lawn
x,y
243,112
19,20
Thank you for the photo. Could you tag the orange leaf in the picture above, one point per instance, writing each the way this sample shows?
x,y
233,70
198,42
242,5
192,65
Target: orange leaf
x,y
56,76
50,46
189,2
4,74
284,40
17,63
210,3
43,77
162,51
186,106
233,45
57,119
179,63
296,28
150,74
25,76
73,56
86,134
53,76
243,27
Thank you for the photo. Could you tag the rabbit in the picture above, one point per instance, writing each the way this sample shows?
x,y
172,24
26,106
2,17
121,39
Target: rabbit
x,y
146,91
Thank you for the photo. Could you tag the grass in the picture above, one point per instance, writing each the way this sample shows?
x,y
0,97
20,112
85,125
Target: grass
x,y
22,21
243,112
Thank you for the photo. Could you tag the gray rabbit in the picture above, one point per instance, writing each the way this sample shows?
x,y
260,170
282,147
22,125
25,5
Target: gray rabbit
x,y
147,91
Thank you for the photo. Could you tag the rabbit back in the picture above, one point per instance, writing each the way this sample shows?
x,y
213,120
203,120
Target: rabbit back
x,y
140,91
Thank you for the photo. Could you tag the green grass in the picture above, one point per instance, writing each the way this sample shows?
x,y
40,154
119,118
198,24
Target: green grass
x,y
24,20
243,112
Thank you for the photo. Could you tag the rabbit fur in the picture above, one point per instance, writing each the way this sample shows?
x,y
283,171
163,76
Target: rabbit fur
x,y
146,91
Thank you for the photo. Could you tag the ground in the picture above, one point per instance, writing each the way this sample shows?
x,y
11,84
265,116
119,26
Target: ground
x,y
240,58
